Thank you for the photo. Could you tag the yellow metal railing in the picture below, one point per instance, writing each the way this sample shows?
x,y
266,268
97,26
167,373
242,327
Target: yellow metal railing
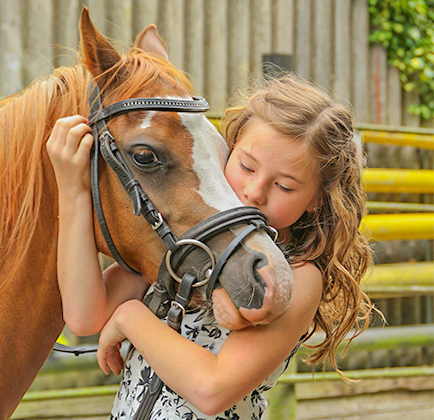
x,y
419,181
400,279
389,227
421,141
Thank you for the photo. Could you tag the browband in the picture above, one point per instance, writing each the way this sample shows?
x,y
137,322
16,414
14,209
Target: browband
x,y
197,104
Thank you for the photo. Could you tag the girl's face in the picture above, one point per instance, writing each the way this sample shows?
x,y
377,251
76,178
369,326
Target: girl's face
x,y
274,173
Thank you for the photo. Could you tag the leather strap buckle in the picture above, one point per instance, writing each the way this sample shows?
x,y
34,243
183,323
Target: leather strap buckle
x,y
178,307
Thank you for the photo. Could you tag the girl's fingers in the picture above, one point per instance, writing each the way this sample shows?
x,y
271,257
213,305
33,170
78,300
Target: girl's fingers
x,y
110,360
116,362
62,127
102,362
86,143
75,136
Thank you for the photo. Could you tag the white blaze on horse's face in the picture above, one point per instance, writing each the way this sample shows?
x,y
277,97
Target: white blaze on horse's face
x,y
210,153
147,120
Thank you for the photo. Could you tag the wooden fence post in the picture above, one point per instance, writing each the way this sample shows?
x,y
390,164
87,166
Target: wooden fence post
x,y
260,33
360,60
342,41
119,25
238,46
65,32
283,27
303,38
322,45
171,26
145,13
37,39
11,56
193,49
97,9
215,54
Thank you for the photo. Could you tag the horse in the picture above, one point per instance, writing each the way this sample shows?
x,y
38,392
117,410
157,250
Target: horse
x,y
187,188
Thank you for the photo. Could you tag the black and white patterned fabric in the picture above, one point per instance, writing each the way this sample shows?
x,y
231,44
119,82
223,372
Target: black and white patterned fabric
x,y
200,327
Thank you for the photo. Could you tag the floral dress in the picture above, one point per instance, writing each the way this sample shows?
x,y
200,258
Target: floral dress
x,y
200,327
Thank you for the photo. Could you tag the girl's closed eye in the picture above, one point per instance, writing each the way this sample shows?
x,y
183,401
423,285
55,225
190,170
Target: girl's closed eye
x,y
244,167
283,188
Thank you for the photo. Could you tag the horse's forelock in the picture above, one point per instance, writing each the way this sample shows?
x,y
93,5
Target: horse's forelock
x,y
137,71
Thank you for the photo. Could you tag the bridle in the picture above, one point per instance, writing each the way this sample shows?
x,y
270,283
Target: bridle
x,y
177,249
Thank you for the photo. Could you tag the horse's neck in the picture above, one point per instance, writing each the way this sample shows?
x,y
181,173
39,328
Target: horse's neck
x,y
30,308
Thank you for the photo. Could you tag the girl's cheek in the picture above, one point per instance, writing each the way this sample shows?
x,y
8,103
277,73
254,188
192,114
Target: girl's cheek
x,y
232,178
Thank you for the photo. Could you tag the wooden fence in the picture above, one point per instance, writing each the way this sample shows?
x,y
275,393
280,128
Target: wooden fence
x,y
218,43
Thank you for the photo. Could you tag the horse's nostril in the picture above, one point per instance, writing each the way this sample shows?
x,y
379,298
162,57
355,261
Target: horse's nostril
x,y
257,265
254,292
243,282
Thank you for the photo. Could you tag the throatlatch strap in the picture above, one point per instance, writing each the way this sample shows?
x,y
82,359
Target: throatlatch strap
x,y
95,102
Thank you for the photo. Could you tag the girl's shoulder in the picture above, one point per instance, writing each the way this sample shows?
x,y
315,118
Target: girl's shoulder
x,y
307,268
307,278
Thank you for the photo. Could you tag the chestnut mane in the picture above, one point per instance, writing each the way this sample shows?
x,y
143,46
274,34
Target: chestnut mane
x,y
26,121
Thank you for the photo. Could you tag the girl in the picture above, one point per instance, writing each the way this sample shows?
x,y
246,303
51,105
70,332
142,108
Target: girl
x,y
293,156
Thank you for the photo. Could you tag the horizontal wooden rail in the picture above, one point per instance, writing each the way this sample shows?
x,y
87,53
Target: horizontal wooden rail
x,y
396,372
382,338
407,226
289,378
400,279
419,181
294,389
52,394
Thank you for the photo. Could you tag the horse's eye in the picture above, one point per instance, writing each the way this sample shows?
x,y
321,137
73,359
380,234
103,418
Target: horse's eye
x,y
145,157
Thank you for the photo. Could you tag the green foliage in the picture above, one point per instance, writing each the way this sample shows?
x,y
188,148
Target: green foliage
x,y
406,29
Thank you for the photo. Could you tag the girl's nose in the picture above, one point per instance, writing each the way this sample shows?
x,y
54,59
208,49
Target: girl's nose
x,y
254,191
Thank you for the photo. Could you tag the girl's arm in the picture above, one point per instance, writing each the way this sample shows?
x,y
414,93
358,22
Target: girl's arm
x,y
209,382
89,297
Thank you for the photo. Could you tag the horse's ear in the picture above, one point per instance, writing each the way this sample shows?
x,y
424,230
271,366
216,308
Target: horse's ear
x,y
149,41
97,53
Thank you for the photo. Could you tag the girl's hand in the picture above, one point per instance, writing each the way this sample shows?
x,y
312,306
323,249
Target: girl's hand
x,y
69,150
110,341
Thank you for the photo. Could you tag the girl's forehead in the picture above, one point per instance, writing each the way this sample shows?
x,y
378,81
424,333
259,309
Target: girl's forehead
x,y
262,136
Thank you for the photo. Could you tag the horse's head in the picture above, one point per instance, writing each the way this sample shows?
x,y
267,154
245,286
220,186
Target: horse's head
x,y
178,158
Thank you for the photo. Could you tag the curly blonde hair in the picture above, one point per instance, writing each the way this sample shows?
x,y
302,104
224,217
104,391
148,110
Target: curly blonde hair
x,y
328,236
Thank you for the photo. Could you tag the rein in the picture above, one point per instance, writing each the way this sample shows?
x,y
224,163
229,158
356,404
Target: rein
x,y
163,301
